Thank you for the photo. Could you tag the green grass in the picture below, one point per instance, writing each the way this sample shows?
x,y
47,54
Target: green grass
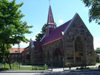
x,y
15,66
98,63
93,67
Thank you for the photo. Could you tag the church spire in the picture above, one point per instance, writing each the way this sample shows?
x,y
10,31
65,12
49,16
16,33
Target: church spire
x,y
50,20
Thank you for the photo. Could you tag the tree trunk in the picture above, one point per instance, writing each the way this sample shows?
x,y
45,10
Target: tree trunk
x,y
3,54
9,62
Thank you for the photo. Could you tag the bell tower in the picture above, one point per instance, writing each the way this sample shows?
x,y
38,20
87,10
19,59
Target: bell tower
x,y
50,22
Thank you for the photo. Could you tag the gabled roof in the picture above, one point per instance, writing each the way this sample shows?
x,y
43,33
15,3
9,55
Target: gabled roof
x,y
56,34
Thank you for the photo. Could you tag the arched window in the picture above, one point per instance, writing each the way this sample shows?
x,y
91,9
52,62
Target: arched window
x,y
79,44
79,50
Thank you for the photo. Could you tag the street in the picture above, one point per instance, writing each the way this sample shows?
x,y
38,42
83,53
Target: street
x,y
83,72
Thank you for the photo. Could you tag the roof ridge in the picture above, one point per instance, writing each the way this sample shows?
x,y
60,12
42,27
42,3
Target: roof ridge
x,y
56,33
60,26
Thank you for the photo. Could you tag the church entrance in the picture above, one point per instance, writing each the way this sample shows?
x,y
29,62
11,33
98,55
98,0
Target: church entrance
x,y
79,51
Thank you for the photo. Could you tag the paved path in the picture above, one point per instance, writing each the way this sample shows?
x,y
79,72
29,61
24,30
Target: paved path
x,y
83,72
61,69
56,71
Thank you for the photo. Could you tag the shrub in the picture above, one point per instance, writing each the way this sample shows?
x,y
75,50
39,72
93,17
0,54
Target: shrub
x,y
68,64
45,66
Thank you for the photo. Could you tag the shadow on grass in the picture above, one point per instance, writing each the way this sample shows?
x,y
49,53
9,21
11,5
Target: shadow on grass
x,y
3,69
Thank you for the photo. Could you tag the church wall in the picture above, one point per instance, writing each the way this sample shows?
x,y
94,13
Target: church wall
x,y
49,52
36,57
77,28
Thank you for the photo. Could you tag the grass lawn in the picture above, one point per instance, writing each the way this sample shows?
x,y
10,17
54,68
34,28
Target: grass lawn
x,y
93,67
15,66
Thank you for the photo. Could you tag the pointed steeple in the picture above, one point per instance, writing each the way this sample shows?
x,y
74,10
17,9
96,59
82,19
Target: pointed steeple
x,y
50,20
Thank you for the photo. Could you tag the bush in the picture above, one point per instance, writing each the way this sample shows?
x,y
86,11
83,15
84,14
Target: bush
x,y
97,59
45,66
38,68
68,64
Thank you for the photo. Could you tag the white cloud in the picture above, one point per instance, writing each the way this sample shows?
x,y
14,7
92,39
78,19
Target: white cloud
x,y
31,38
22,45
60,21
96,42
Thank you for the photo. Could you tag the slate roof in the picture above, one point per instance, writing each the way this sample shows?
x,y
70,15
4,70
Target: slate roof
x,y
37,45
56,34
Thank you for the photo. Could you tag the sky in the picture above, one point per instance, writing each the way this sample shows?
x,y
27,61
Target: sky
x,y
36,13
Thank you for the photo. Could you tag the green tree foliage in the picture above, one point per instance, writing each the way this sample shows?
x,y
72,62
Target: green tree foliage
x,y
98,50
94,11
97,57
5,53
40,35
12,28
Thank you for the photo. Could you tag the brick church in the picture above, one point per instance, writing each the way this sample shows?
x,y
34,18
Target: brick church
x,y
71,43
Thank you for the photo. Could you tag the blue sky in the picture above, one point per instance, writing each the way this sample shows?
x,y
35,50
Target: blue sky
x,y
36,12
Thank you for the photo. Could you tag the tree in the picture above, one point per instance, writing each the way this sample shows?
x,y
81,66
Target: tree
x,y
5,53
94,11
12,28
40,35
97,56
98,50
11,24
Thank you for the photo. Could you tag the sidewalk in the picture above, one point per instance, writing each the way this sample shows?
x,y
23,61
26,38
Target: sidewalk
x,y
24,71
42,71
